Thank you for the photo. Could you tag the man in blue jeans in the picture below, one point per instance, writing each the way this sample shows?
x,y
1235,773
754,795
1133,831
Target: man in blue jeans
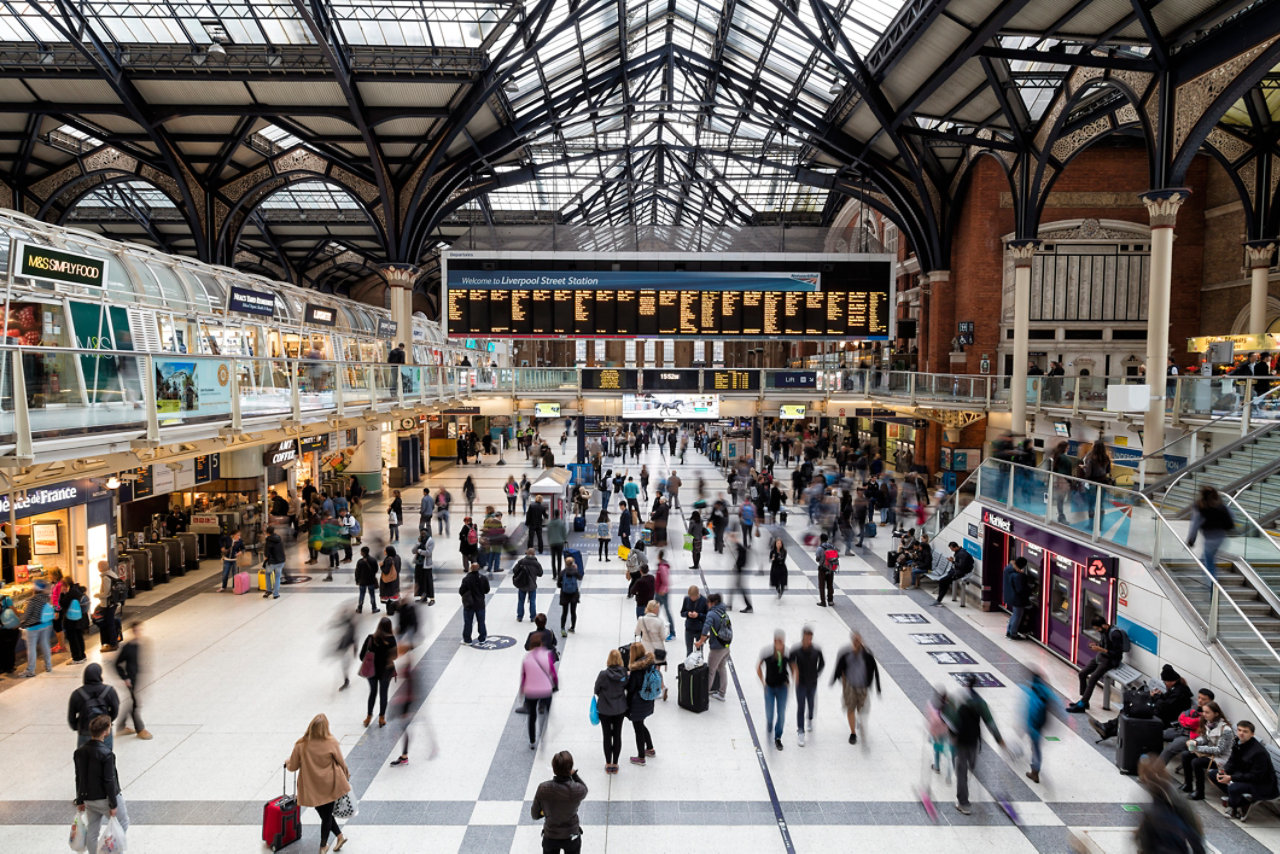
x,y
524,575
772,668
231,547
806,665
273,561
1016,596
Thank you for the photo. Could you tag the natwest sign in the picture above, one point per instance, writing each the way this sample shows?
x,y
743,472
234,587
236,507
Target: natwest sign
x,y
998,522
280,453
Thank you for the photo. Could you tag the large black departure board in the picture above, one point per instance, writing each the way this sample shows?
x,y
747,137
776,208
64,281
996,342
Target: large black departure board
x,y
542,294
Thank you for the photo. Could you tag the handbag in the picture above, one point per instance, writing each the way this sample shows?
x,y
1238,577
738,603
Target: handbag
x,y
346,807
688,542
595,713
367,669
244,560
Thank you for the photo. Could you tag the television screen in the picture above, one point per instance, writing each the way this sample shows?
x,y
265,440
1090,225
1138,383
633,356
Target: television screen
x,y
546,410
1062,428
791,411
654,407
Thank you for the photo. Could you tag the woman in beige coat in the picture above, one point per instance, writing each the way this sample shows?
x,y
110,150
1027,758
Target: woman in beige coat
x,y
322,777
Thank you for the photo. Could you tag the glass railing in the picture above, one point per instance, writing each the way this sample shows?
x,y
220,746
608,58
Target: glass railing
x,y
1127,519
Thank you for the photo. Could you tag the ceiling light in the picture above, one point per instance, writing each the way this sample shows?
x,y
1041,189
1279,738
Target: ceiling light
x,y
216,49
113,482
837,88
511,86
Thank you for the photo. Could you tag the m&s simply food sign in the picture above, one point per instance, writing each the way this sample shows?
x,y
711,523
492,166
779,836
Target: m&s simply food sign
x,y
54,265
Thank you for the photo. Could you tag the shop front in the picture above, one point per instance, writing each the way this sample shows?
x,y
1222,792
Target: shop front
x,y
65,527
1071,583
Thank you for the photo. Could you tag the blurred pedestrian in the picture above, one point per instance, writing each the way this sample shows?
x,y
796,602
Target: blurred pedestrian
x,y
538,681
772,669
377,664
1038,696
856,669
1169,824
474,589
129,669
967,716
367,580
807,663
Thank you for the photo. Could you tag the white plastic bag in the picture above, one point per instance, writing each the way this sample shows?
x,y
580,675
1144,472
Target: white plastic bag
x,y
694,660
111,840
79,830
346,807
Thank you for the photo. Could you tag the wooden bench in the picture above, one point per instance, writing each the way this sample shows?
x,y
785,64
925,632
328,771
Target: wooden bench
x,y
1124,676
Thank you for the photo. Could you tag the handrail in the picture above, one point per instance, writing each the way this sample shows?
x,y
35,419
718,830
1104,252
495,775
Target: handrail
x,y
1218,593
1201,464
1224,417
1261,535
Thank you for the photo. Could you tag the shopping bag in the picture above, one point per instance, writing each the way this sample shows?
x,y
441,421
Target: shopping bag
x,y
244,560
79,828
595,715
111,840
694,660
688,542
346,807
623,552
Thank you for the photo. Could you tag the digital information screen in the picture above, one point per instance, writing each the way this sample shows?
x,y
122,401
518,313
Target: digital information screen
x,y
669,380
610,379
536,294
731,380
791,411
546,410
656,407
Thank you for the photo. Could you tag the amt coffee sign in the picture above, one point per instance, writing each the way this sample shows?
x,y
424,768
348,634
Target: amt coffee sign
x,y
280,453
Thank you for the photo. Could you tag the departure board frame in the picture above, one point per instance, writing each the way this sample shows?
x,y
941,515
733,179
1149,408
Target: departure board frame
x,y
727,295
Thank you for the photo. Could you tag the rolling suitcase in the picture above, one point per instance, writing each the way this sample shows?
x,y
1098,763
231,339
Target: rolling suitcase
x,y
241,583
579,524
869,530
693,687
577,560
1136,738
282,819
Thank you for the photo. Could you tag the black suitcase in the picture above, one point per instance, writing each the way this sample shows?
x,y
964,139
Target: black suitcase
x,y
693,688
1136,738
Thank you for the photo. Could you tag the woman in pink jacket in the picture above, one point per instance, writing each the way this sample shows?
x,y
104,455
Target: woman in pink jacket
x,y
538,680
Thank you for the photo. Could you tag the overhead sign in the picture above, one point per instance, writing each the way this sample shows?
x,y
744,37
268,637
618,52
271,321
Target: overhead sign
x,y
54,265
387,328
610,379
670,380
320,315
546,410
246,301
280,453
731,380
57,496
308,444
791,411
1253,343
795,379
1100,567
207,468
998,522
204,523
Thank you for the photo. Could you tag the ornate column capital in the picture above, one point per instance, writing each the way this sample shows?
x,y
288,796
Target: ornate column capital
x,y
938,276
400,275
1022,251
1257,253
1162,205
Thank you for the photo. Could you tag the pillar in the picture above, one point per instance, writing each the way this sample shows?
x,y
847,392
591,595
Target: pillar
x,y
937,323
366,459
615,353
400,278
1022,252
683,354
1258,255
1162,208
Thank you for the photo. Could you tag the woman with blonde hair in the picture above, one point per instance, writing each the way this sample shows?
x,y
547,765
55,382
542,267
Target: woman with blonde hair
x,y
323,777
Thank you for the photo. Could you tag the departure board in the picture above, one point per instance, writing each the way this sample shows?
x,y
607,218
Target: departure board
x,y
731,380
609,379
669,295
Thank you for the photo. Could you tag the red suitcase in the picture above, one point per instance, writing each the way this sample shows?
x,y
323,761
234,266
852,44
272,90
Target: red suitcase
x,y
282,818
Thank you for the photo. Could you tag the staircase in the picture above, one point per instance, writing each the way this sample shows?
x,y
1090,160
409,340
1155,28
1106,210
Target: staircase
x,y
1250,630
1249,467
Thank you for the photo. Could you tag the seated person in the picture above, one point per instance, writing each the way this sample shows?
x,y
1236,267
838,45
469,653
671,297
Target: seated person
x,y
1248,775
1212,745
921,560
1110,654
1167,705
1188,726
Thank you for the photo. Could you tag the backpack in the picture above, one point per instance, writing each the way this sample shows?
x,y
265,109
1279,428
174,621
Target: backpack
x,y
831,560
86,608
1138,702
8,616
1037,707
119,591
472,536
651,687
725,633
519,575
96,704
569,583
1124,644
74,612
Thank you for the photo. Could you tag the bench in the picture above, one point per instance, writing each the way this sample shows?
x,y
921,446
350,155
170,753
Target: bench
x,y
959,589
1124,676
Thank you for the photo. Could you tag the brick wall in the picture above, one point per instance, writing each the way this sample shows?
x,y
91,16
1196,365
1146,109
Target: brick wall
x,y
1103,182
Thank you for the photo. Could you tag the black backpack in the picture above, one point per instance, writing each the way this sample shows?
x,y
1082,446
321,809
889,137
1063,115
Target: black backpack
x,y
119,591
519,575
1138,702
96,704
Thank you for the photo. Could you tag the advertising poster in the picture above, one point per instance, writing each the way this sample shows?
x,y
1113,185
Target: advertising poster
x,y
190,388
680,406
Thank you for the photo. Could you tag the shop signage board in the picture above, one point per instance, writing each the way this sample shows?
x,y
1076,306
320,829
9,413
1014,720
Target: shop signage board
x,y
58,496
44,540
248,301
309,444
207,468
99,327
204,523
187,388
320,315
54,265
280,453
387,328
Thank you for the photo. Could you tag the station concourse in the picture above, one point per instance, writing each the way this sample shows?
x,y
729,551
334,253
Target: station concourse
x,y
779,290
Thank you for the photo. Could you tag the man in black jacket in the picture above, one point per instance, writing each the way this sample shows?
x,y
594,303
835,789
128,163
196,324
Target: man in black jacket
x,y
97,783
557,801
856,669
273,561
367,579
128,668
1017,595
961,565
1109,655
91,699
534,518
1248,776
473,589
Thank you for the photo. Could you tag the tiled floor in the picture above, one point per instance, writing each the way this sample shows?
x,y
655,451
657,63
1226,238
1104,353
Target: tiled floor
x,y
233,681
